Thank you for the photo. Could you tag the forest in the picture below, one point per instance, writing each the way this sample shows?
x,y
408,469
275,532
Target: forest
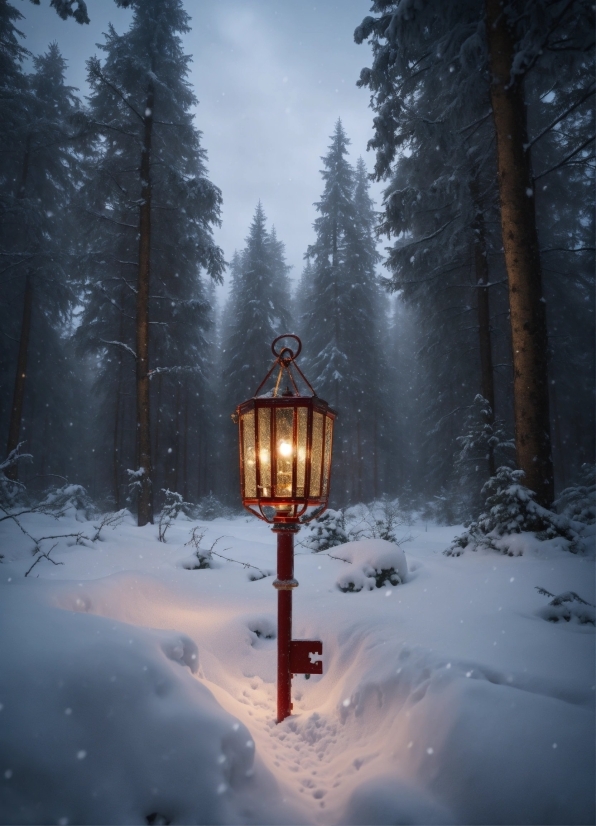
x,y
119,370
437,664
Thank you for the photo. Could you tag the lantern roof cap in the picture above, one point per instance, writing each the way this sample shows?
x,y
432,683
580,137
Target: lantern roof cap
x,y
285,361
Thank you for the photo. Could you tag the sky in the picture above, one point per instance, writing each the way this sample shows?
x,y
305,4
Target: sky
x,y
271,78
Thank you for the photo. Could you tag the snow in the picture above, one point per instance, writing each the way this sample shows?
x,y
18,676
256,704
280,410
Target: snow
x,y
134,689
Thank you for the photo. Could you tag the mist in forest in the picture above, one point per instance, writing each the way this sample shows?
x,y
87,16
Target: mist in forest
x,y
417,208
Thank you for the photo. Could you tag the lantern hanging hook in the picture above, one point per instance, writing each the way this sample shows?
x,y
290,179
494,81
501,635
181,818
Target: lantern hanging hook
x,y
286,354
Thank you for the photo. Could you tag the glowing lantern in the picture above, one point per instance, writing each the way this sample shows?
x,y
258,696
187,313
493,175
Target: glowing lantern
x,y
286,440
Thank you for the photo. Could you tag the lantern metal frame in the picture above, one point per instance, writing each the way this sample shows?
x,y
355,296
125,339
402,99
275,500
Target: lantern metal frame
x,y
304,493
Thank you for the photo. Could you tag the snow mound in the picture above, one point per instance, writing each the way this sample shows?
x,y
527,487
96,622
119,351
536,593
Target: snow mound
x,y
103,722
449,729
373,564
388,800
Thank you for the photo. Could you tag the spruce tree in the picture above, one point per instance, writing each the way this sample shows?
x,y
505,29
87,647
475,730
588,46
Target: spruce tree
x,y
40,175
257,311
340,320
430,80
153,209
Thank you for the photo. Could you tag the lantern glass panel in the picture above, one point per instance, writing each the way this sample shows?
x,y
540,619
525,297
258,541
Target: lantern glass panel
x,y
327,463
248,458
284,447
264,425
316,453
301,450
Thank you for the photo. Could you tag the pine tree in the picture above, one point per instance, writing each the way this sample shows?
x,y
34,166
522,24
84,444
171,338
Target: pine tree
x,y
40,175
433,144
430,82
257,311
340,318
154,210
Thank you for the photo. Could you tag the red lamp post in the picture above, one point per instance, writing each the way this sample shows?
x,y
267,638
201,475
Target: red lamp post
x,y
286,439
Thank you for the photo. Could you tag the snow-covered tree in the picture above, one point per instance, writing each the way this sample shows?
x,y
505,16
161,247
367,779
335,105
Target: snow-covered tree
x,y
484,443
153,210
257,311
341,315
435,140
40,175
511,508
433,143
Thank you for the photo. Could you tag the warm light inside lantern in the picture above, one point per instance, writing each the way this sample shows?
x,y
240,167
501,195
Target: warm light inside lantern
x,y
285,449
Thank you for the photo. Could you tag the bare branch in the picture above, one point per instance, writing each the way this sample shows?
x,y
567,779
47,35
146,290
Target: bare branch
x,y
566,159
44,556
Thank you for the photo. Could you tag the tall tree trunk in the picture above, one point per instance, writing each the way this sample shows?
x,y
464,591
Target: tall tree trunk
x,y
185,445
16,413
116,458
522,260
158,434
176,454
375,459
145,500
483,312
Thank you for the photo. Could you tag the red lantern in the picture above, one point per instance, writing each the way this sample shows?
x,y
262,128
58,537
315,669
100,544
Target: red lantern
x,y
286,442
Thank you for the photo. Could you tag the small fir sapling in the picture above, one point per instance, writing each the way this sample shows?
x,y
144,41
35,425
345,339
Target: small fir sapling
x,y
328,531
567,606
210,507
578,502
484,444
510,508
134,484
172,506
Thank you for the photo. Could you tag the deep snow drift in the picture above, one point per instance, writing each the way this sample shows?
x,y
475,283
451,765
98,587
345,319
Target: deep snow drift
x,y
138,687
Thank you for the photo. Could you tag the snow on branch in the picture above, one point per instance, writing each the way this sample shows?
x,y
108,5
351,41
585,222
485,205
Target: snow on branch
x,y
175,370
120,344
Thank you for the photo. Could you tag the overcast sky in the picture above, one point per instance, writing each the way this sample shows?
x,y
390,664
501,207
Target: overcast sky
x,y
271,77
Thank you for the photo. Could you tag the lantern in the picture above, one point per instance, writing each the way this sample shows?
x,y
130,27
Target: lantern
x,y
286,441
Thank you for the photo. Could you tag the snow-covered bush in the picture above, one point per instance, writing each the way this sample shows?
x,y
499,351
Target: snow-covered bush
x,y
328,531
135,483
578,502
510,508
210,507
379,520
69,499
202,557
172,506
373,563
567,606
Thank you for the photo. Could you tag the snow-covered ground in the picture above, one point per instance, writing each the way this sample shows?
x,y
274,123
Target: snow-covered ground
x,y
136,690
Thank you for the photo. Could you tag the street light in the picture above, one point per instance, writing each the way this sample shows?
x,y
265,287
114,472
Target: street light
x,y
286,440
